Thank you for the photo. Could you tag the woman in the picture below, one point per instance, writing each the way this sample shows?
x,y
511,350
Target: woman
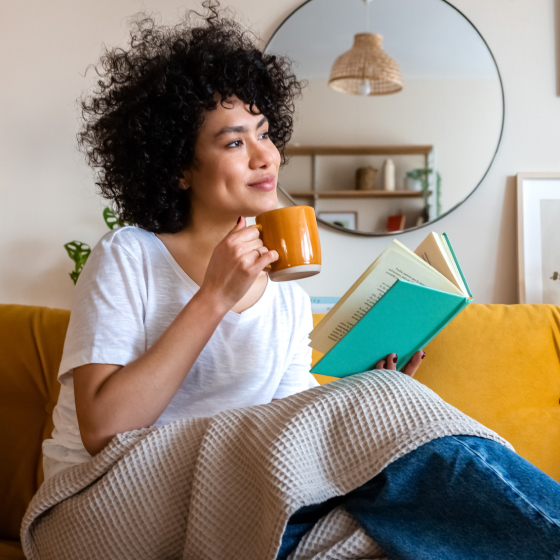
x,y
187,130
174,316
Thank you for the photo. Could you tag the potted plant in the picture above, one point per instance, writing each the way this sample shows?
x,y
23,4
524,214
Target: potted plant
x,y
420,177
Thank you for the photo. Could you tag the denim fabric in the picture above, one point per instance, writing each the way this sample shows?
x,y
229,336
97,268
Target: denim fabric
x,y
302,521
454,498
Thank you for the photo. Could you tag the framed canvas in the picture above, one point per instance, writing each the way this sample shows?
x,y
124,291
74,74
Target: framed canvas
x,y
348,220
538,236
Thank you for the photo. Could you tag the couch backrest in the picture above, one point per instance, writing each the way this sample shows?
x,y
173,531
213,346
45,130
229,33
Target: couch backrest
x,y
500,364
31,341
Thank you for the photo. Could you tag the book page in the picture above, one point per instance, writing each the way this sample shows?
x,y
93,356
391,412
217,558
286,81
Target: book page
x,y
436,253
394,264
315,332
422,263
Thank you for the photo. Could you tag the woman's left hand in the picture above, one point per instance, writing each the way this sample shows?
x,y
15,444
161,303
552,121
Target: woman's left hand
x,y
390,362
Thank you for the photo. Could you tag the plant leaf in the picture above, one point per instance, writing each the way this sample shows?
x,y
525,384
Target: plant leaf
x,y
110,218
79,253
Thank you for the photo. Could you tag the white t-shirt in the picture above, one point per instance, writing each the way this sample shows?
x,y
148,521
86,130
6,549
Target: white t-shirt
x,y
129,292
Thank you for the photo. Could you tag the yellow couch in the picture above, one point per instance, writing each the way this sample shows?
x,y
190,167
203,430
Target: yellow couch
x,y
499,364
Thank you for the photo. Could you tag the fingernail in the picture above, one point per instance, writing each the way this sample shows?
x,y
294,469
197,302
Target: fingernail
x,y
395,359
423,355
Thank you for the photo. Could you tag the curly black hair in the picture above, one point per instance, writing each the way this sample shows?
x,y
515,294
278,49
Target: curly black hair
x,y
142,121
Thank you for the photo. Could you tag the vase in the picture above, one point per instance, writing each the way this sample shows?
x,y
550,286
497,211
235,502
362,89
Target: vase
x,y
413,184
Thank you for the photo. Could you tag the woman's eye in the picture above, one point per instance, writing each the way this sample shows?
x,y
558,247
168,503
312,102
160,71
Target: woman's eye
x,y
237,143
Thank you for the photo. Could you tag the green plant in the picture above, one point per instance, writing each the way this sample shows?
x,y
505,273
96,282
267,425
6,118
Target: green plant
x,y
79,252
422,174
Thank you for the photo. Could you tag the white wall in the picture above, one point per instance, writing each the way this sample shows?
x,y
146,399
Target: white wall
x,y
47,196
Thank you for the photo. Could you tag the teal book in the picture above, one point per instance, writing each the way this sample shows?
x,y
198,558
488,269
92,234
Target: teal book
x,y
400,315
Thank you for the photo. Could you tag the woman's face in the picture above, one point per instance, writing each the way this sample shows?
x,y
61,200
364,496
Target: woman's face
x,y
236,165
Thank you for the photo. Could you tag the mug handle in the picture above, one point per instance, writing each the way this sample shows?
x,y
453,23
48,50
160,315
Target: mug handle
x,y
268,267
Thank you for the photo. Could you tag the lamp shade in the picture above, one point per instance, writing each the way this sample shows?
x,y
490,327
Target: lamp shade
x,y
366,69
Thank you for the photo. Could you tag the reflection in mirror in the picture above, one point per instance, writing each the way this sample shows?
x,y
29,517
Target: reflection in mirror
x,y
375,161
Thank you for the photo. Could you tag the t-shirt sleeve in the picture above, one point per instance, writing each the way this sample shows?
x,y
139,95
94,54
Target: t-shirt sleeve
x,y
297,378
107,319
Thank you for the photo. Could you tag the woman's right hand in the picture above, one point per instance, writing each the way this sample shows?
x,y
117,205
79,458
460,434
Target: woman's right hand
x,y
235,264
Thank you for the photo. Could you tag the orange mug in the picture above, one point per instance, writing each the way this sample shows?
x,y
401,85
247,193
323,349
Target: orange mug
x,y
293,233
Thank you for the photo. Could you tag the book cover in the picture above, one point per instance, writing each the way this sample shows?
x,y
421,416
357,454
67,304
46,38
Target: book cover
x,y
396,223
403,321
456,262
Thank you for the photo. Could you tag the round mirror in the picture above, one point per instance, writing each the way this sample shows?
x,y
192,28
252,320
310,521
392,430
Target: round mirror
x,y
401,116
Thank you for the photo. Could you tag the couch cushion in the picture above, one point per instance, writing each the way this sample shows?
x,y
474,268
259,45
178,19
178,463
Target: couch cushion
x,y
11,550
500,364
31,342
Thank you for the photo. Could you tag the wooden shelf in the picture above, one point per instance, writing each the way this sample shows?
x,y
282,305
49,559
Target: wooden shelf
x,y
409,150
356,194
314,152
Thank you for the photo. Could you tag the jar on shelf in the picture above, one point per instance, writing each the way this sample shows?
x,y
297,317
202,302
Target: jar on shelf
x,y
365,178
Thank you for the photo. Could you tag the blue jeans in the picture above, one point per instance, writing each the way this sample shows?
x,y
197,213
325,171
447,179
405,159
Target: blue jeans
x,y
454,498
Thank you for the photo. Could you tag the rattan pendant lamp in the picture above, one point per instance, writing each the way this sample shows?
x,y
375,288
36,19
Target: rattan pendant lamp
x,y
366,69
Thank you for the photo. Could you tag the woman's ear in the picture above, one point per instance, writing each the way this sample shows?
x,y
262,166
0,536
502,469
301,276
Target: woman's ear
x,y
185,180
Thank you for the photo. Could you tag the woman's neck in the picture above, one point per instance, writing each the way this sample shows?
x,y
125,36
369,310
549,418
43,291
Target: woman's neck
x,y
193,246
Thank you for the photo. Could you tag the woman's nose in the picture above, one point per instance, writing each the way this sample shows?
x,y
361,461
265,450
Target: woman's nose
x,y
261,154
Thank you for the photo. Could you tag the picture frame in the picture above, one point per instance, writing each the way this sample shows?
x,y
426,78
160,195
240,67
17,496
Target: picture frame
x,y
348,220
538,237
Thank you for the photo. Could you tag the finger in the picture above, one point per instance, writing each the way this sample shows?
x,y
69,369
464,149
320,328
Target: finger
x,y
242,242
241,224
247,233
237,229
381,364
266,258
255,252
259,252
248,247
392,361
412,367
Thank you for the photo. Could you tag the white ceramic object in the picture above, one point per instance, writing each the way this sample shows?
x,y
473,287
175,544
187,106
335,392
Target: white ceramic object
x,y
389,175
413,184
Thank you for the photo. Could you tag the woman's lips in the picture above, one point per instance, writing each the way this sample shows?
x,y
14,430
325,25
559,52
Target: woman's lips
x,y
267,184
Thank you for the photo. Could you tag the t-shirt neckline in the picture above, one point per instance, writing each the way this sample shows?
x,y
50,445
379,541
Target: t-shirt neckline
x,y
231,316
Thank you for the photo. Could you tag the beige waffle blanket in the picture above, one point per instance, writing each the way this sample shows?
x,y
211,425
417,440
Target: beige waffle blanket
x,y
223,488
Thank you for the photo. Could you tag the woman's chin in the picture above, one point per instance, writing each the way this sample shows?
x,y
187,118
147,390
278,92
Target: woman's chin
x,y
265,206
